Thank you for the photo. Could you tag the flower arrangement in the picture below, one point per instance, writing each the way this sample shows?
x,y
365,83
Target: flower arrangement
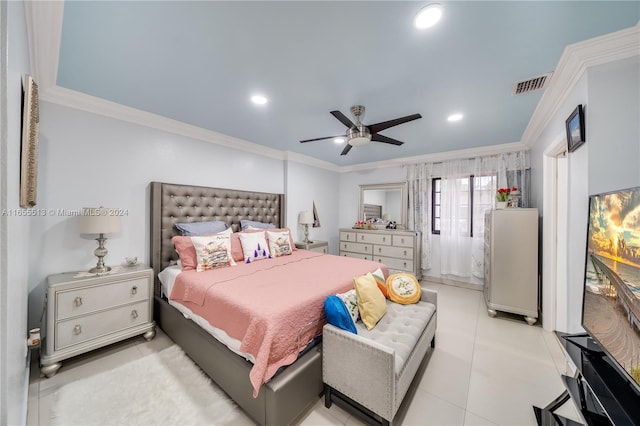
x,y
503,193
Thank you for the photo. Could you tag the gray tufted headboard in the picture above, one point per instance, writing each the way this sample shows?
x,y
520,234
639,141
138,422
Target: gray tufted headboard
x,y
172,203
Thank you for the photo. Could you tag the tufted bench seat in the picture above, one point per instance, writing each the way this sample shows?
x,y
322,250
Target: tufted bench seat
x,y
372,371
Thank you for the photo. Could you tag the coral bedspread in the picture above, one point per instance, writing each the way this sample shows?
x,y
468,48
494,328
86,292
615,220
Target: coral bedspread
x,y
275,307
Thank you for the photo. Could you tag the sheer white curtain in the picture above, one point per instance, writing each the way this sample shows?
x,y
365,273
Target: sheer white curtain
x,y
419,177
455,222
461,214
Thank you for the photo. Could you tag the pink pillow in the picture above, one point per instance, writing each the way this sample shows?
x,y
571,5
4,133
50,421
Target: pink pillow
x,y
186,251
236,247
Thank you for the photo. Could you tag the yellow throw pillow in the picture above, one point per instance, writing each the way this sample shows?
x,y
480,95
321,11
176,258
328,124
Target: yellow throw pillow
x,y
403,288
371,303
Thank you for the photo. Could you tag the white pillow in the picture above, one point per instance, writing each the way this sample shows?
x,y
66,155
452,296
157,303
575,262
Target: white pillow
x,y
350,299
213,251
279,243
254,246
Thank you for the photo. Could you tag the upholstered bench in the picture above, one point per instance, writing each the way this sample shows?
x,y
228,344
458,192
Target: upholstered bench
x,y
372,370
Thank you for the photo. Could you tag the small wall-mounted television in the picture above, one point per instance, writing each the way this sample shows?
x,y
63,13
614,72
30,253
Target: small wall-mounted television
x,y
611,296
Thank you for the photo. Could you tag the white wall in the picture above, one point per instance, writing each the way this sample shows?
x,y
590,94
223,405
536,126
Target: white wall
x,y
14,269
304,186
607,161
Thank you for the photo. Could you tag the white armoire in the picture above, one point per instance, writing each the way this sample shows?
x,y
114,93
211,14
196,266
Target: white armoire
x,y
511,262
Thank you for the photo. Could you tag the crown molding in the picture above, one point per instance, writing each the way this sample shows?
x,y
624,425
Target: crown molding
x,y
575,60
310,161
44,34
438,157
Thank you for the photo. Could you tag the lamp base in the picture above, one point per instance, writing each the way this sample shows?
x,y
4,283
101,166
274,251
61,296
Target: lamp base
x,y
100,270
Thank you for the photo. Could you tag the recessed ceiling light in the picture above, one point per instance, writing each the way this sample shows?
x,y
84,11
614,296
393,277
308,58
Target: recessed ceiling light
x,y
455,117
428,16
338,140
259,99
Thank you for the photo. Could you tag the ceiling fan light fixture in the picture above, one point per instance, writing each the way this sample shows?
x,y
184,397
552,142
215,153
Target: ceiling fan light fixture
x,y
455,117
428,16
339,140
359,140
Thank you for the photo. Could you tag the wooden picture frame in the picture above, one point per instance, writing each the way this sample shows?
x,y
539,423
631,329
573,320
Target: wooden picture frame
x,y
29,144
575,129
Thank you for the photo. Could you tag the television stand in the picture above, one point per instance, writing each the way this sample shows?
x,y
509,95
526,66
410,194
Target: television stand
x,y
601,395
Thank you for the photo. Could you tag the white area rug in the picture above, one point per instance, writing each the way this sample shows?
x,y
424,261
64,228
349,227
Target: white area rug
x,y
164,388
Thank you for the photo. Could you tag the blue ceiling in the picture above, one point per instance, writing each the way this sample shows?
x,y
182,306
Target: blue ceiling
x,y
199,63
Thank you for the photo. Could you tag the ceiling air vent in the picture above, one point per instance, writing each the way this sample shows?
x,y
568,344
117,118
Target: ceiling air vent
x,y
533,84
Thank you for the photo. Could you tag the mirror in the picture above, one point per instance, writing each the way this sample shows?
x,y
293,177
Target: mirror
x,y
382,199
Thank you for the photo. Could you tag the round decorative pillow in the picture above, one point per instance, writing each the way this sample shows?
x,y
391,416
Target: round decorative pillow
x,y
403,288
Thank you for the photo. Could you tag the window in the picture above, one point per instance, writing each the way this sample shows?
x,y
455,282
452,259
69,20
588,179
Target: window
x,y
475,198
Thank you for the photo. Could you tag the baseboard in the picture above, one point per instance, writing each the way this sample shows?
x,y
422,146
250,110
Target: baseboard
x,y
454,283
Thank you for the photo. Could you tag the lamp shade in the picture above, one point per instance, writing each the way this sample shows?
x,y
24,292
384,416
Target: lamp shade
x,y
305,217
97,220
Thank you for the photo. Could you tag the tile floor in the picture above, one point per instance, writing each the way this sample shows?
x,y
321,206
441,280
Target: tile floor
x,y
484,371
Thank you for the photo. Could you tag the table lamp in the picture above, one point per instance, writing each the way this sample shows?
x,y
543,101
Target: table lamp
x,y
306,218
99,221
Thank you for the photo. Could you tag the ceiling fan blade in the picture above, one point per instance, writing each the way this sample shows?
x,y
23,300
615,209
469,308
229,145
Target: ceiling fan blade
x,y
378,127
343,119
319,139
346,150
385,139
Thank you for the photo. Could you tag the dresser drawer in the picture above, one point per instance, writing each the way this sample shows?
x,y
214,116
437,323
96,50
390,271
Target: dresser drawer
x,y
374,238
70,303
393,263
322,249
389,251
356,247
347,236
78,330
403,240
355,255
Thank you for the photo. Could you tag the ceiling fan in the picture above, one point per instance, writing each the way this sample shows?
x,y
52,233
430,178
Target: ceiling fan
x,y
359,134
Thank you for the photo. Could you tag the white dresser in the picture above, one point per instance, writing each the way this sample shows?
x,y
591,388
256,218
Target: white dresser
x,y
511,262
88,312
399,250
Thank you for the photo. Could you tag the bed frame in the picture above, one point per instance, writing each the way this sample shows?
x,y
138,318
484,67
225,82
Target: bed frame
x,y
289,394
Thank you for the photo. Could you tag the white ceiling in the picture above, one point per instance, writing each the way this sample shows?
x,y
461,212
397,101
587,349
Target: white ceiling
x,y
200,62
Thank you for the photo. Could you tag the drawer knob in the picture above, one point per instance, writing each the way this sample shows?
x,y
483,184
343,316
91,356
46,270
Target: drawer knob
x,y
379,249
405,252
402,240
348,236
77,329
405,264
384,239
77,301
345,246
362,237
134,289
134,314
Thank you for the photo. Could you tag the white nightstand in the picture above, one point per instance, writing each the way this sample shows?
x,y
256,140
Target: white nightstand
x,y
87,312
317,246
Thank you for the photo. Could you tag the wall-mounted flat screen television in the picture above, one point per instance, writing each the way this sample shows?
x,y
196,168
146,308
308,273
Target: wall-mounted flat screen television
x,y
611,298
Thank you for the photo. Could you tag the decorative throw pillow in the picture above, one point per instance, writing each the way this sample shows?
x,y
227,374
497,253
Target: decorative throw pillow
x,y
279,243
194,229
187,252
338,315
244,224
371,303
403,288
254,246
350,300
213,251
382,284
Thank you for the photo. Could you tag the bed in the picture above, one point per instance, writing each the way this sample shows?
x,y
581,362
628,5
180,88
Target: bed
x,y
288,394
